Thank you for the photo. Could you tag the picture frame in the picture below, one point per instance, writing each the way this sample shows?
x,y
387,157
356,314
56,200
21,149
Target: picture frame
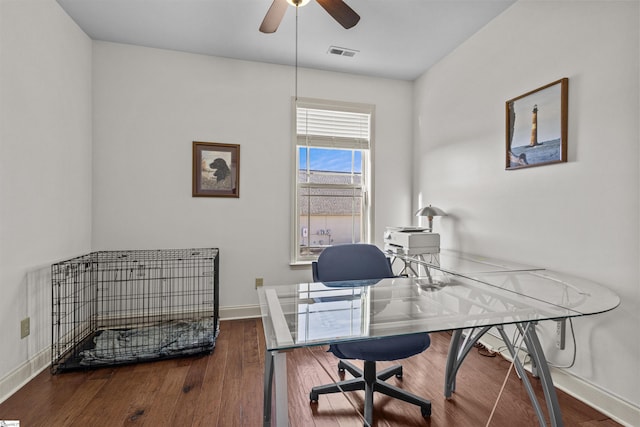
x,y
216,169
536,126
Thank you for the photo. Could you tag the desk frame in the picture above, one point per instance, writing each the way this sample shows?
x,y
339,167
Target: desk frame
x,y
460,345
462,341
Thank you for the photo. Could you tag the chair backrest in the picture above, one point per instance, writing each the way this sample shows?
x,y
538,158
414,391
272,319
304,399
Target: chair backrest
x,y
351,262
365,262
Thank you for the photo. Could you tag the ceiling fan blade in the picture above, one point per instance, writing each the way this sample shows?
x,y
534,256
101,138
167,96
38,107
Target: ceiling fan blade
x,y
341,12
274,16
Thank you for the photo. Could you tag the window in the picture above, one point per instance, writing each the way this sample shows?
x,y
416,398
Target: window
x,y
333,183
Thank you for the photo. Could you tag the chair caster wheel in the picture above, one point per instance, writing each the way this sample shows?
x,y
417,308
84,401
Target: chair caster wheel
x,y
313,397
426,411
399,374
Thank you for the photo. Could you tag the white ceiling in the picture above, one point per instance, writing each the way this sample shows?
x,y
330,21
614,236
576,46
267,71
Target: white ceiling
x,y
397,39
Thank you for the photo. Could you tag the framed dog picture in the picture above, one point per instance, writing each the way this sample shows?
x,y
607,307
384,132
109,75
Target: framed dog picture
x,y
537,127
216,169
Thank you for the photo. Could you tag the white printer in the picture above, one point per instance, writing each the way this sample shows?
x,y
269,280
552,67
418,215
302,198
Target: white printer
x,y
411,241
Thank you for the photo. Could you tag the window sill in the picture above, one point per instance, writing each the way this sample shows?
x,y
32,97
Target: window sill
x,y
300,264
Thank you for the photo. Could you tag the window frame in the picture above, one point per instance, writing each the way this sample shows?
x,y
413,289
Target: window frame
x,y
367,209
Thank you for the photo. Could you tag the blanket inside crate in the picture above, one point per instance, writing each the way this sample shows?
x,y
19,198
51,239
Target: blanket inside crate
x,y
150,342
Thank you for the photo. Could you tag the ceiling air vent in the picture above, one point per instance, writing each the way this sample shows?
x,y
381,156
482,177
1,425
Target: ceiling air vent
x,y
342,51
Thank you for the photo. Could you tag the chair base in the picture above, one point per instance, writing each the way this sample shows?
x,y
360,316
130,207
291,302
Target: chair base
x,y
371,382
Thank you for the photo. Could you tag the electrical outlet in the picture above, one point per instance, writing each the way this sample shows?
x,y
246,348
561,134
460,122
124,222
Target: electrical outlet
x,y
25,327
259,281
561,333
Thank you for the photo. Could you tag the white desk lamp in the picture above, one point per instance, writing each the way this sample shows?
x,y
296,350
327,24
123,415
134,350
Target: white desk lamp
x,y
430,212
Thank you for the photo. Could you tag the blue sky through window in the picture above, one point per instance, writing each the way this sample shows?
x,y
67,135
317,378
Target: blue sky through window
x,y
331,159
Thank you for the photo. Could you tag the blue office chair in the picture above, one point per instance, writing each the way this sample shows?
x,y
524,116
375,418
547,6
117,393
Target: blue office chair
x,y
355,262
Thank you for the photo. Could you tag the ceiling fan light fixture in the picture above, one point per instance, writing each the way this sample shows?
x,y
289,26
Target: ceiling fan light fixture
x,y
298,3
338,10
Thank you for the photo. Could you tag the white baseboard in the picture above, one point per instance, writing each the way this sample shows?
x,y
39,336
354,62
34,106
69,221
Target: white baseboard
x,y
20,376
612,406
239,312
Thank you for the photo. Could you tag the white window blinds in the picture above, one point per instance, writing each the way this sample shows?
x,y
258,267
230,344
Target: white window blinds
x,y
332,128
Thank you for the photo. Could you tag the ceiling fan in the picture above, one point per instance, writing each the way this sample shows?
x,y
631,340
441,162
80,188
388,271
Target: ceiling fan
x,y
338,9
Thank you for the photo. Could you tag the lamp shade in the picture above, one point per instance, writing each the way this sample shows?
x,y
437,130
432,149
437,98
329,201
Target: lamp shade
x,y
430,211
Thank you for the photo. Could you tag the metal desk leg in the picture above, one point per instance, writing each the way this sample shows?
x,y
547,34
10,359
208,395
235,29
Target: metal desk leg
x,y
550,396
268,387
523,374
533,345
275,362
282,401
452,365
457,353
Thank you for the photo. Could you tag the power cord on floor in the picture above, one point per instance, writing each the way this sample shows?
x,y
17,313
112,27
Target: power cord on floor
x,y
575,350
506,378
484,351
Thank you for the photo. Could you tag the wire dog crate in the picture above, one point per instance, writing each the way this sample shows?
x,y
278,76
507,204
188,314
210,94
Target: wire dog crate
x,y
118,307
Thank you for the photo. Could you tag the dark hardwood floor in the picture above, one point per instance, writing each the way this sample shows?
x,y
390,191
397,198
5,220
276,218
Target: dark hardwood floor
x,y
225,389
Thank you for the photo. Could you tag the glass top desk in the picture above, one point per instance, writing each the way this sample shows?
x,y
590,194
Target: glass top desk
x,y
452,261
477,299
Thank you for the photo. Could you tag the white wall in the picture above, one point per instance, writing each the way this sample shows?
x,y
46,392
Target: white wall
x,y
580,217
45,164
150,104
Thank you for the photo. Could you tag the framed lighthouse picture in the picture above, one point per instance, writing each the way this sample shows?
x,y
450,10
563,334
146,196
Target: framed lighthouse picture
x,y
536,126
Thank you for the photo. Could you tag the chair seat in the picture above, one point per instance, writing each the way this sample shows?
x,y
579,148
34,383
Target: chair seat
x,y
391,348
365,262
